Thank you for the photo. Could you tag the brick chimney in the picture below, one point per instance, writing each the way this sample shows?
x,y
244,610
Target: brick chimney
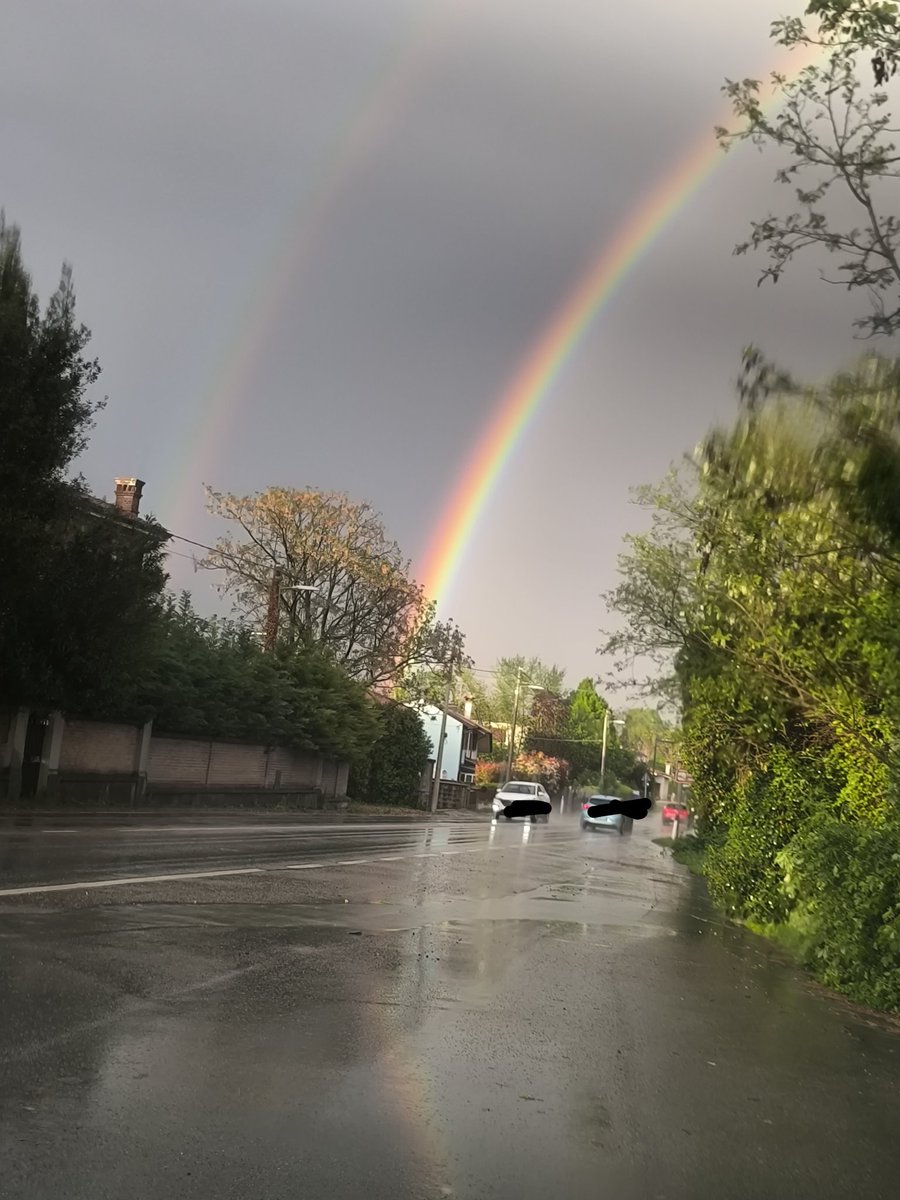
x,y
128,496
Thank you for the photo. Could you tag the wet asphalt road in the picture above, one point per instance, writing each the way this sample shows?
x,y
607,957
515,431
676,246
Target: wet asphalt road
x,y
407,1010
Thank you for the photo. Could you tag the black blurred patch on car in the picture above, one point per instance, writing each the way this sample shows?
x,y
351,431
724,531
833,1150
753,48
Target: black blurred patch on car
x,y
636,808
527,808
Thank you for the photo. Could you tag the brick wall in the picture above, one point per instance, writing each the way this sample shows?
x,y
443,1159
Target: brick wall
x,y
232,764
293,768
178,761
99,748
191,762
88,755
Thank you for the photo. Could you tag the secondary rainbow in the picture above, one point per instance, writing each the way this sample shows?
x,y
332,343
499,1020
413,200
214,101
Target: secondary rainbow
x,y
377,113
548,356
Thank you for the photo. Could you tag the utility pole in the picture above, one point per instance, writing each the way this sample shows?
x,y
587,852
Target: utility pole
x,y
272,611
603,752
512,732
651,774
439,752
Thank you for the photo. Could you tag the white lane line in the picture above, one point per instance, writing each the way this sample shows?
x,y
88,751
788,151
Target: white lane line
x,y
128,881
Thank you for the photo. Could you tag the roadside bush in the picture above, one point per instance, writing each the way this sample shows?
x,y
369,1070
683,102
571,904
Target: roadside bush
x,y
843,880
544,768
398,758
744,875
488,774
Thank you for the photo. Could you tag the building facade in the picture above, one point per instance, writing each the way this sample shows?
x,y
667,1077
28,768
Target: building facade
x,y
464,740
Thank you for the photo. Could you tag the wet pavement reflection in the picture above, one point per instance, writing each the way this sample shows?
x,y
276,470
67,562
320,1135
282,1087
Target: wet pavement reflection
x,y
457,1010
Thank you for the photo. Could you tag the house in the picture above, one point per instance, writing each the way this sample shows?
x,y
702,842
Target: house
x,y
464,740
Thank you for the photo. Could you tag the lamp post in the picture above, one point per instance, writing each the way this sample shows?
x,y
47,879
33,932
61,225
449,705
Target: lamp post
x,y
619,724
276,587
532,687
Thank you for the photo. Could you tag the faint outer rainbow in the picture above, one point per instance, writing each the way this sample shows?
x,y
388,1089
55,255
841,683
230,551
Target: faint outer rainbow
x,y
547,357
375,114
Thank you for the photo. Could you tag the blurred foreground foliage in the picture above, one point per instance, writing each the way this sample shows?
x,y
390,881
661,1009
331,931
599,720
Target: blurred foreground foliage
x,y
770,578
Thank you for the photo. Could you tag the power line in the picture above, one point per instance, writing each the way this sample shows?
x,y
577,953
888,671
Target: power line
x,y
190,541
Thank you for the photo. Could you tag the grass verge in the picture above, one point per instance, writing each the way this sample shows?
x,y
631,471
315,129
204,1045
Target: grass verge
x,y
384,810
687,850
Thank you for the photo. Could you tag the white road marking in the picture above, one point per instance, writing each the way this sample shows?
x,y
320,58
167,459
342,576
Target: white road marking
x,y
175,877
127,881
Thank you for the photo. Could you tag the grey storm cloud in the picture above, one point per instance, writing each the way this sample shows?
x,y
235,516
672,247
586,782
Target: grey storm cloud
x,y
475,157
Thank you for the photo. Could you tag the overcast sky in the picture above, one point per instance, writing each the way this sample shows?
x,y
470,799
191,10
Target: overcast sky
x,y
315,238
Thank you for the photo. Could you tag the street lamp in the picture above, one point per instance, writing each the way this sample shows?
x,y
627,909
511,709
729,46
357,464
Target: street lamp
x,y
531,687
276,587
619,725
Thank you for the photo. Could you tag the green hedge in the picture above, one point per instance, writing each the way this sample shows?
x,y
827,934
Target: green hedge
x,y
743,873
393,771
843,882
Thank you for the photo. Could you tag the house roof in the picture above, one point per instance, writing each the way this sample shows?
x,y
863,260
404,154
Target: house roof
x,y
460,716
109,512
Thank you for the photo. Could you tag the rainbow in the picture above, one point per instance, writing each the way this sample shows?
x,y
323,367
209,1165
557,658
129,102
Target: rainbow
x,y
548,356
375,114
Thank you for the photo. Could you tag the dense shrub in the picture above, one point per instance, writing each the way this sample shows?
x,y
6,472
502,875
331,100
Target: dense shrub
x,y
398,758
209,678
743,873
843,880
488,773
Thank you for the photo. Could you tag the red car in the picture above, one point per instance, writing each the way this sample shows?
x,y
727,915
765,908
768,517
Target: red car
x,y
673,810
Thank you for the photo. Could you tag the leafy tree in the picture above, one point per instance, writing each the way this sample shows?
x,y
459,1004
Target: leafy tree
x,y
645,730
571,728
836,137
770,578
398,757
868,24
78,590
501,697
549,713
364,611
552,772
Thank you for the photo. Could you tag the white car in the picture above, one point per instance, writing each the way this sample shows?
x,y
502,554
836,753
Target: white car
x,y
518,789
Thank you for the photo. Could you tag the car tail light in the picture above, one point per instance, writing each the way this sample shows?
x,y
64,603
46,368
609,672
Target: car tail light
x,y
586,804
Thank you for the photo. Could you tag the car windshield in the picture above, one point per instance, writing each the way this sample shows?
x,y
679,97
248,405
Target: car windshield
x,y
521,789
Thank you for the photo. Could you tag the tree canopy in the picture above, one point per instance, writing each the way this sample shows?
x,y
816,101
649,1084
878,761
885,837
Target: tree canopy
x,y
770,578
398,757
344,586
836,141
79,588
